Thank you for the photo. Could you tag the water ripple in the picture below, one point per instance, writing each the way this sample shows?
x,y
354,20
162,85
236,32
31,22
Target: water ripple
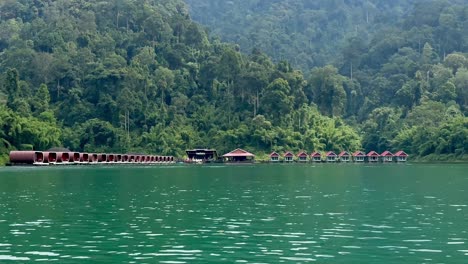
x,y
158,217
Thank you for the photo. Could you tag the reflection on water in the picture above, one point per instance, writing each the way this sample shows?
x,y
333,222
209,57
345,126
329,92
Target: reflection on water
x,y
263,214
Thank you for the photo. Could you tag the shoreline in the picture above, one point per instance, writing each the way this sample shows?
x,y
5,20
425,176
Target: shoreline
x,y
181,164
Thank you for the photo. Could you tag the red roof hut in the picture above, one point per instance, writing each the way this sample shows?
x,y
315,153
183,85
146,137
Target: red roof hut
x,y
274,157
373,156
387,156
359,156
302,156
344,156
239,155
331,156
401,156
288,157
316,156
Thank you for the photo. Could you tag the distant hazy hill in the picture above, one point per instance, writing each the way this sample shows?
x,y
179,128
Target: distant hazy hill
x,y
312,33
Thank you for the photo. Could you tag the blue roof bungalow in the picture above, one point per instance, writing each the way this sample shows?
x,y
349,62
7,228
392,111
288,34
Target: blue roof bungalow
x,y
316,157
274,157
331,156
288,157
302,156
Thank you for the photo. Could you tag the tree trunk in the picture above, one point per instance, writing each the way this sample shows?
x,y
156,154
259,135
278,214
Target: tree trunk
x,y
258,101
58,89
127,126
117,19
255,106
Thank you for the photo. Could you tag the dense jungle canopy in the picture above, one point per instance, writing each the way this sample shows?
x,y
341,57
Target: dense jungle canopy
x,y
142,76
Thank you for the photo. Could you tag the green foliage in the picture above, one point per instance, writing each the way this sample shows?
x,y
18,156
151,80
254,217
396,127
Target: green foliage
x,y
20,130
12,87
41,99
116,76
276,101
450,137
327,90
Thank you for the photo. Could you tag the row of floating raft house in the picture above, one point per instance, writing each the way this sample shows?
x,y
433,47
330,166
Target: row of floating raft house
x,y
242,156
343,156
43,158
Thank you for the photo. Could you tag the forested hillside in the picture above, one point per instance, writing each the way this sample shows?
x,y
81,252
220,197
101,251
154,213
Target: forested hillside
x,y
140,76
307,33
401,65
320,32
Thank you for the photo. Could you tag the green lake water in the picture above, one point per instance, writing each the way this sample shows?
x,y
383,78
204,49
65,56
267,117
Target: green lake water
x,y
399,213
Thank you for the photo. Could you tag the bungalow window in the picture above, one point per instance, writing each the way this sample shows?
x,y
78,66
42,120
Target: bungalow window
x,y
274,158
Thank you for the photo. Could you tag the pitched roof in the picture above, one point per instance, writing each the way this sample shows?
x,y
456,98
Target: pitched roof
x,y
344,153
274,154
239,153
288,154
386,154
316,154
373,153
359,154
331,153
302,154
401,153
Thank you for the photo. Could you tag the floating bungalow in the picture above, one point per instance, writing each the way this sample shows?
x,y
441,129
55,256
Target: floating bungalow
x,y
302,156
316,157
387,156
239,156
274,157
63,157
373,156
201,155
359,156
331,156
68,157
344,156
74,157
40,158
26,157
93,158
84,158
288,157
401,156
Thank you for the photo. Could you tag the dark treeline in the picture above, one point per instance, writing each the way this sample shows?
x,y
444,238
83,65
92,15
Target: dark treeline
x,y
141,76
